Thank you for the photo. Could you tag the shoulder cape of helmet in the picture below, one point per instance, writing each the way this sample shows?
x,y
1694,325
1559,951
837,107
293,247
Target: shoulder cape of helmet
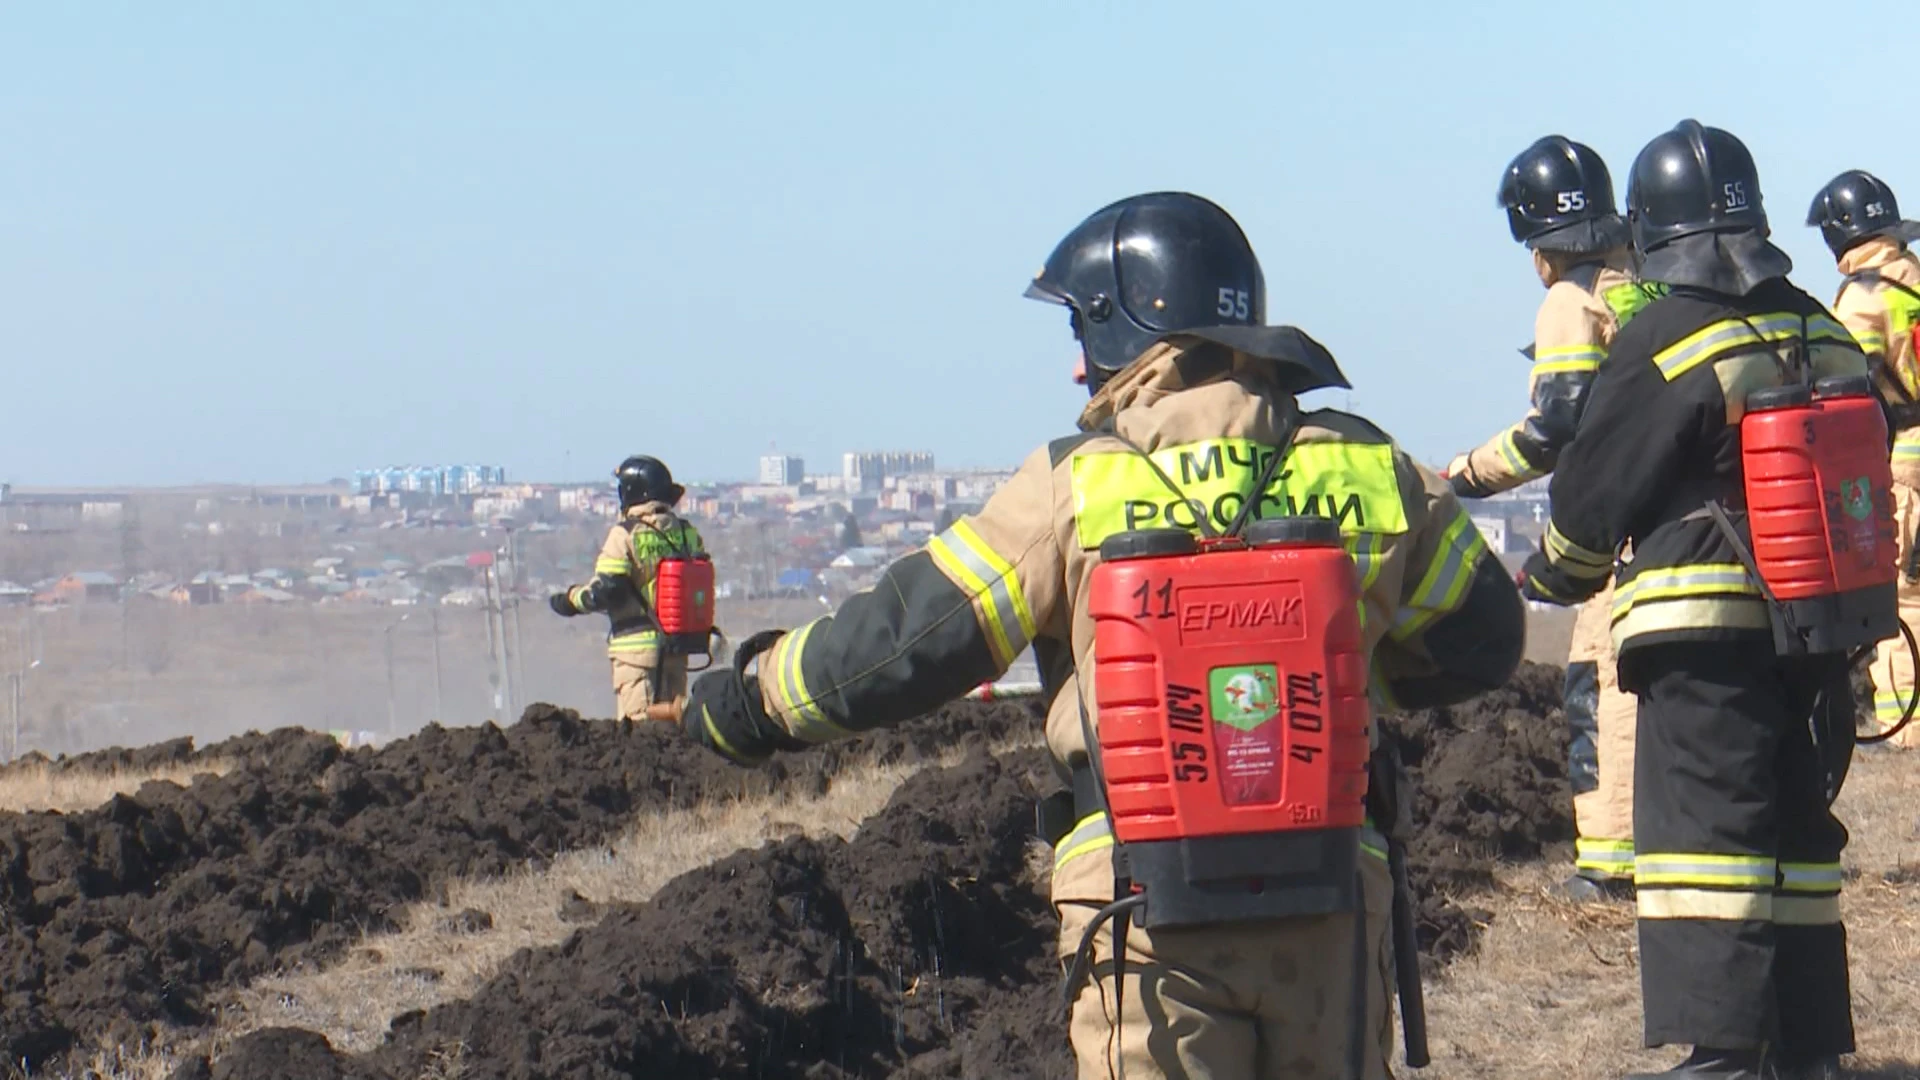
x,y
1301,363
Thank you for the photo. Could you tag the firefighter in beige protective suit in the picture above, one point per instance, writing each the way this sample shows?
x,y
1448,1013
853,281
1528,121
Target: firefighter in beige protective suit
x,y
1879,303
1193,412
645,668
1559,202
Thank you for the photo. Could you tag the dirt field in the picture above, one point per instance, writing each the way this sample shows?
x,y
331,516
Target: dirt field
x,y
568,897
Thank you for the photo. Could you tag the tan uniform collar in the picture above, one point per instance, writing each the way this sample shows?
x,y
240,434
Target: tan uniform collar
x,y
1612,260
1874,254
655,512
1282,362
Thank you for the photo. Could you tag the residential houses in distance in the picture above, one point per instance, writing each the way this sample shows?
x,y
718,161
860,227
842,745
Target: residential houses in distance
x,y
786,533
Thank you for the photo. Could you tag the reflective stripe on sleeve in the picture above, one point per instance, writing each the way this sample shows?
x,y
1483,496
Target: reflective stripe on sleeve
x,y
1445,582
804,718
1575,560
1567,360
985,575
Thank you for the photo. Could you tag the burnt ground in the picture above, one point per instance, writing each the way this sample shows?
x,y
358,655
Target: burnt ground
x,y
920,948
121,921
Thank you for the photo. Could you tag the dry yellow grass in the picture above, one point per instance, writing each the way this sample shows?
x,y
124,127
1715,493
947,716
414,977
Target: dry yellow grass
x,y
38,787
1554,990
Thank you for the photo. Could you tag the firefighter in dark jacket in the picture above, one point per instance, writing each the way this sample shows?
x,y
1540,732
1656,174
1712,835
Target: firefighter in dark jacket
x,y
1737,858
1165,296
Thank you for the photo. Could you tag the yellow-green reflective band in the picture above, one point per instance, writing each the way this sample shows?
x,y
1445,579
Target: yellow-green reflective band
x,y
1373,843
805,720
1697,579
638,641
1806,910
713,732
1090,833
1722,871
1697,613
1871,341
1709,341
1353,483
1567,360
1510,453
1657,903
1810,877
1889,708
1907,443
609,566
1445,581
1580,561
983,573
1610,858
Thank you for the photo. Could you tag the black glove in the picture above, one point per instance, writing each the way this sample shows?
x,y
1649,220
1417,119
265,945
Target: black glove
x,y
724,712
562,604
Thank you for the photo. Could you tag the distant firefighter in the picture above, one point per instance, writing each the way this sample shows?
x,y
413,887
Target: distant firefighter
x,y
654,583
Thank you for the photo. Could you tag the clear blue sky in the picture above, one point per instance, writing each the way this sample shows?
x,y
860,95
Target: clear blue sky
x,y
276,242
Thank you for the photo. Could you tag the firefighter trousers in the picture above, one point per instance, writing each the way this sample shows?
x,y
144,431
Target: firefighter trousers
x,y
1738,854
1272,1000
1893,675
1600,721
640,680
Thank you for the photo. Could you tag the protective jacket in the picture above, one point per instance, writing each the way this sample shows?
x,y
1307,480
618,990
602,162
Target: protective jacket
x,y
1572,332
1441,618
1875,304
623,577
1660,437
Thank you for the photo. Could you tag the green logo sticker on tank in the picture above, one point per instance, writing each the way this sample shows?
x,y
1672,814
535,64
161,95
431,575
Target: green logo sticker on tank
x,y
1244,697
1856,496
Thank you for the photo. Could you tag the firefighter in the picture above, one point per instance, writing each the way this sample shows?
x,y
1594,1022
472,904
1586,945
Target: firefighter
x,y
622,587
1879,302
1737,860
1166,298
1558,196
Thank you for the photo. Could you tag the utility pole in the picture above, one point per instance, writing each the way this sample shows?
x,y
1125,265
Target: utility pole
x,y
486,611
393,726
439,684
518,684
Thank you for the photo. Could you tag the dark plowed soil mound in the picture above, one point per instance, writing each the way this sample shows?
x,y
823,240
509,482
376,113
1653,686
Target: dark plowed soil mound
x,y
253,748
920,948
1490,782
115,919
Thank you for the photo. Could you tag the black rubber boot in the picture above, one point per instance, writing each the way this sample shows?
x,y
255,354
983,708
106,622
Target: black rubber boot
x,y
1706,1063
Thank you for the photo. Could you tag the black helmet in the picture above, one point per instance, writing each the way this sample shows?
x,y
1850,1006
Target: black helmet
x,y
1146,266
1855,206
1558,196
1690,180
645,480
1694,208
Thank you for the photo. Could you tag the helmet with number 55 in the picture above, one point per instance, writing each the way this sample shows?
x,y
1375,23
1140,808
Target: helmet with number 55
x,y
1694,207
1558,197
1147,266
